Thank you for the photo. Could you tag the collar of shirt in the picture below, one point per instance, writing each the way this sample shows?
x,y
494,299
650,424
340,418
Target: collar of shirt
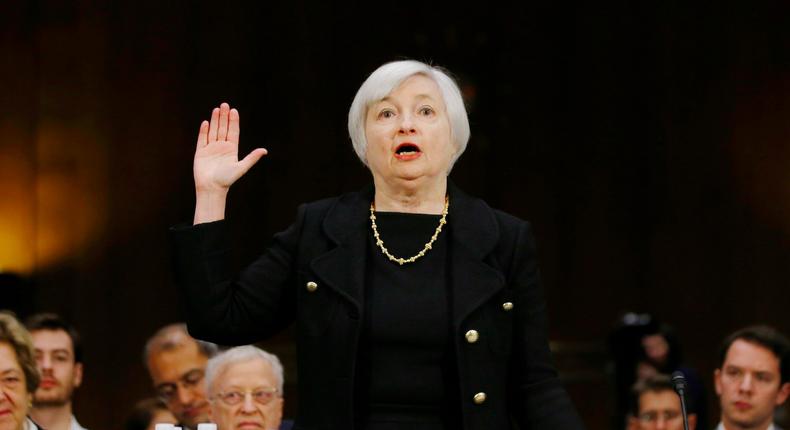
x,y
30,425
75,425
721,427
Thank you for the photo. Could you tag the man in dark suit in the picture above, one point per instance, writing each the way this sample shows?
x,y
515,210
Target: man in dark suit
x,y
753,378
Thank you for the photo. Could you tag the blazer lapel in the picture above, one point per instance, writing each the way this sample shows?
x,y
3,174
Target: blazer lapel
x,y
342,268
474,234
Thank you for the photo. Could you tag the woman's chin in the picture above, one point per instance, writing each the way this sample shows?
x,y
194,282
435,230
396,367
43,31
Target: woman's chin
x,y
9,422
412,175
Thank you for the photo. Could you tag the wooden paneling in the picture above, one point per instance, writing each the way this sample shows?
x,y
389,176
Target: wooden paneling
x,y
648,144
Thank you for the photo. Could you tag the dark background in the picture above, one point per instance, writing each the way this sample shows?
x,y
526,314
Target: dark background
x,y
647,142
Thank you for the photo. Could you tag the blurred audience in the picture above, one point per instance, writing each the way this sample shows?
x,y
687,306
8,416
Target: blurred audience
x,y
18,375
752,378
642,347
58,353
147,413
177,365
245,385
42,366
656,405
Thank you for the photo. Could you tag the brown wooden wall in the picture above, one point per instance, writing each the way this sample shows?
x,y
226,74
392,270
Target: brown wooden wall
x,y
648,144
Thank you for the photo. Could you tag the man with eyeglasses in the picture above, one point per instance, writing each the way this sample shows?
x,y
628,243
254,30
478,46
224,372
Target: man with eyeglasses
x,y
753,378
245,386
177,365
655,405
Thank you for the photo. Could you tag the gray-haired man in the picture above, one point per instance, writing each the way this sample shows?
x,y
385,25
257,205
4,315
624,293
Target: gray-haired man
x,y
245,385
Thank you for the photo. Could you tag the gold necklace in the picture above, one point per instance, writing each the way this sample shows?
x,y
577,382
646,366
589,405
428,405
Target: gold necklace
x,y
428,245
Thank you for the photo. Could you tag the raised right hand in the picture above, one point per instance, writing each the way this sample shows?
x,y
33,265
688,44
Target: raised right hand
x,y
217,166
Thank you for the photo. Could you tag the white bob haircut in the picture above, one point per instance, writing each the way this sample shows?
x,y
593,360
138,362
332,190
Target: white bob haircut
x,y
389,77
240,354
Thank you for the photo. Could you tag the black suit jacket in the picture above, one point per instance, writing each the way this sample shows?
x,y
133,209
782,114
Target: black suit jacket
x,y
492,262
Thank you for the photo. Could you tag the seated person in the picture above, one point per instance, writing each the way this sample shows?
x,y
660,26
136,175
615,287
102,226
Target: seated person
x,y
148,413
58,352
656,405
177,363
245,388
753,378
18,375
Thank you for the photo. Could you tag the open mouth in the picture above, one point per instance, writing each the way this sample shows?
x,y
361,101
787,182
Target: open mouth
x,y
407,151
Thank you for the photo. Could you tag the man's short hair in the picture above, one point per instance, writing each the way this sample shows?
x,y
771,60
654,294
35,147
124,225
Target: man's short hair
x,y
142,414
172,336
765,336
52,321
241,354
655,384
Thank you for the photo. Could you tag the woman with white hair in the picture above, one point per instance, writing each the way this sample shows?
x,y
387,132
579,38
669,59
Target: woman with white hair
x,y
19,376
416,305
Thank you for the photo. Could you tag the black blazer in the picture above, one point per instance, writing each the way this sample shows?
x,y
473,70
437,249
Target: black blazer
x,y
314,273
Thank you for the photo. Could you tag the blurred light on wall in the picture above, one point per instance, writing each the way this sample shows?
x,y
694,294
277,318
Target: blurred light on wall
x,y
54,200
70,190
17,201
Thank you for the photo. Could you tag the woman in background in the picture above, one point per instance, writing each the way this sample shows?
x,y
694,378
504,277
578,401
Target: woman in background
x,y
19,376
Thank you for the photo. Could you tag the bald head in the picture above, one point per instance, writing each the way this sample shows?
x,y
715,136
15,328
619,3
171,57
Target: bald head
x,y
173,336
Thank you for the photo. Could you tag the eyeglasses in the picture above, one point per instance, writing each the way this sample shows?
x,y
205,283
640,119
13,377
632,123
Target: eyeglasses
x,y
259,395
169,390
652,417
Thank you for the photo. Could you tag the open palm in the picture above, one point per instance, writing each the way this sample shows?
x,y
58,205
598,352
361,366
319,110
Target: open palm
x,y
217,165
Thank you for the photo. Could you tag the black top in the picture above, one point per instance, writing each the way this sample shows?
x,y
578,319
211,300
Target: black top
x,y
313,275
407,331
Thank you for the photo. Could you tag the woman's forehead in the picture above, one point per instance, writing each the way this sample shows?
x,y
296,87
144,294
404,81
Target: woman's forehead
x,y
414,87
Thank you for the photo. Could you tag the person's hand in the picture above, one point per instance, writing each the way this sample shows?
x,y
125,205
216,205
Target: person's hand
x,y
217,165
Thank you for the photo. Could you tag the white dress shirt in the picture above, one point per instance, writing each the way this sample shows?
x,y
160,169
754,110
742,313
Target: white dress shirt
x,y
770,427
75,425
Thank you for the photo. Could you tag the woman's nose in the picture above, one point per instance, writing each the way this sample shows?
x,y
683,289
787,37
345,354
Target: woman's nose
x,y
406,124
4,396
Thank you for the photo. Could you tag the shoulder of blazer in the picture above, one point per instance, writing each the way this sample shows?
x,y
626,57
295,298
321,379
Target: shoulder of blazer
x,y
503,240
492,231
336,217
